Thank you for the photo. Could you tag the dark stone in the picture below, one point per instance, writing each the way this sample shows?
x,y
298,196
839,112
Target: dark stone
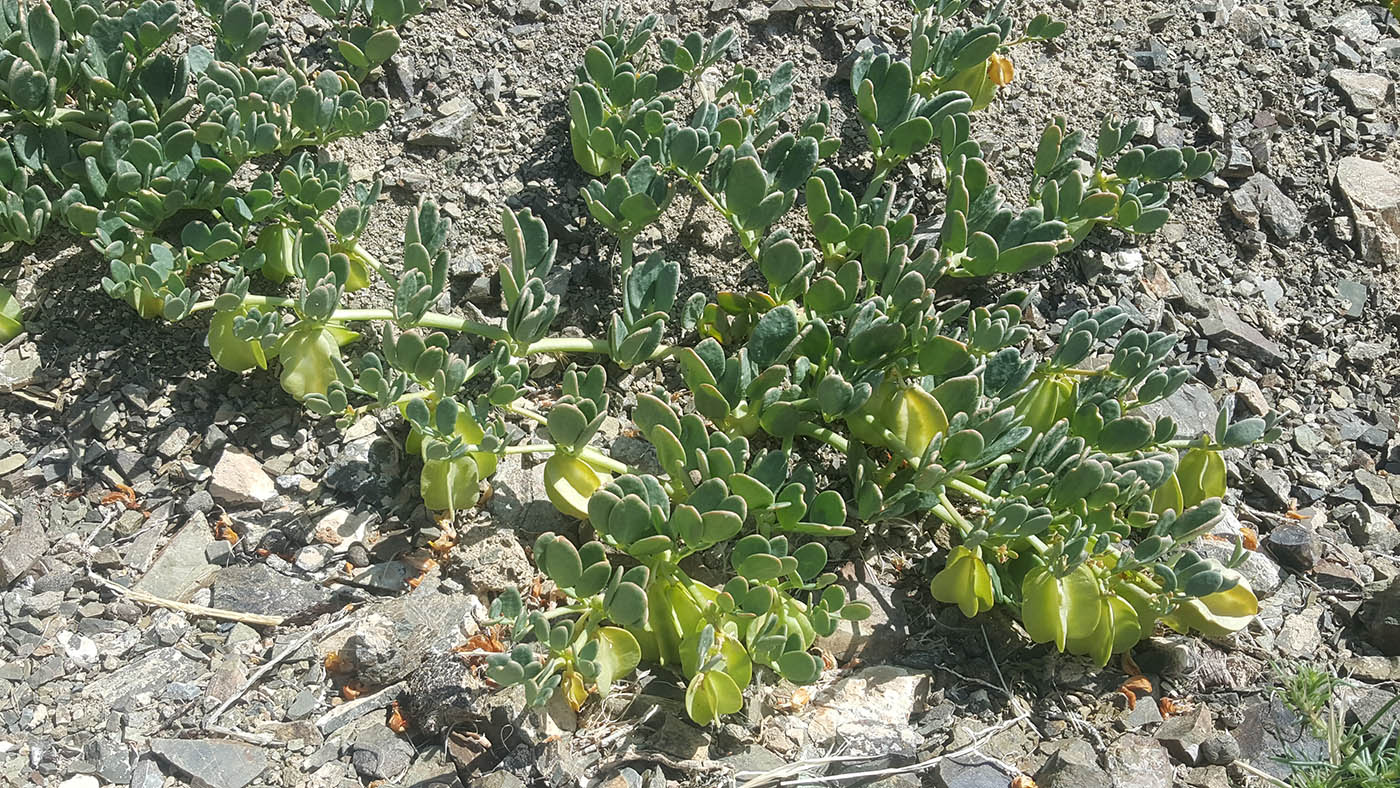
x,y
112,759
1153,56
379,753
1295,546
218,763
952,774
1381,615
448,132
443,693
1184,734
302,705
1260,202
260,590
357,555
199,501
218,553
1219,750
368,467
21,545
1226,329
1196,100
1074,764
1269,730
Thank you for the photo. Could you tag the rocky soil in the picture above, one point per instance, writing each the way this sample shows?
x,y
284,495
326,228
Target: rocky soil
x,y
203,586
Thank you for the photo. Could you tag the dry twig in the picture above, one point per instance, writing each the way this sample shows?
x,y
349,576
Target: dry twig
x,y
185,607
781,775
324,629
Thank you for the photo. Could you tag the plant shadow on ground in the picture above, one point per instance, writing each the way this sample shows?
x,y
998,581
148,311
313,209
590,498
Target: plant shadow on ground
x,y
92,346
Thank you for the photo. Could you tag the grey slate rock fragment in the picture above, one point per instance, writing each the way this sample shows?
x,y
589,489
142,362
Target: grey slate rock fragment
x,y
393,638
1368,527
790,6
199,501
217,763
1260,202
1226,329
21,545
1381,615
1372,192
1363,92
1268,729
878,637
1354,296
146,773
519,501
367,466
1295,546
18,367
379,754
1140,762
239,480
112,759
1191,407
1184,734
260,590
150,672
218,553
448,132
1074,764
499,779
1355,26
182,568
952,774
1365,703
1220,750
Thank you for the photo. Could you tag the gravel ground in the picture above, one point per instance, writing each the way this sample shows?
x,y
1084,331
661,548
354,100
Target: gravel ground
x,y
131,469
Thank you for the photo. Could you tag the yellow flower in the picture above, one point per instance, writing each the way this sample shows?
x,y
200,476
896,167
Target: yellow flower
x,y
1000,70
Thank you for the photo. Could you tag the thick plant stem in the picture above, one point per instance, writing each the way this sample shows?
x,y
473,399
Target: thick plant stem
x,y
970,491
588,454
450,323
824,435
961,522
585,345
749,246
624,248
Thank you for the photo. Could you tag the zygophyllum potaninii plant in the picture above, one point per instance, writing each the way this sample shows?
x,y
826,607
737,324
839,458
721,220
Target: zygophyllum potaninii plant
x,y
846,391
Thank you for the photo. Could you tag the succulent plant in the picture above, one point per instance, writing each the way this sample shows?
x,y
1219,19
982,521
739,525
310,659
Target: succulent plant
x,y
847,388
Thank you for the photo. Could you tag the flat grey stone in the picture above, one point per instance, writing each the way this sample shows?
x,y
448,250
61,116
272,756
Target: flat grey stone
x,y
17,369
217,763
149,672
876,638
1226,329
1073,765
20,546
379,754
1372,191
1364,92
259,589
1259,202
1140,762
390,640
1191,407
448,132
1184,734
181,568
